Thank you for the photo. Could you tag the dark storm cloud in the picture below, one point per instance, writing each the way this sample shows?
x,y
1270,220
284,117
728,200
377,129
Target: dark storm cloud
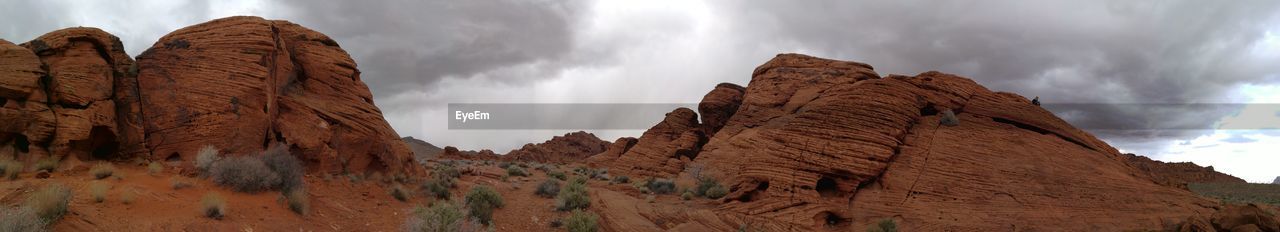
x,y
1062,51
407,45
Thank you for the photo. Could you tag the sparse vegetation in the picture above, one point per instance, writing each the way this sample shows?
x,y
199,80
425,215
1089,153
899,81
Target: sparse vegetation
x,y
244,174
98,190
710,188
50,202
20,219
716,192
399,192
620,180
102,170
298,200
127,196
884,225
1239,192
446,171
686,195
178,183
557,175
213,206
516,171
48,164
436,188
573,196
661,186
205,158
442,216
287,167
548,189
481,201
581,221
154,168
10,168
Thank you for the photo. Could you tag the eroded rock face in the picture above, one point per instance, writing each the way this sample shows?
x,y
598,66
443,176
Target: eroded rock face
x,y
616,149
1179,174
237,83
819,144
571,147
718,105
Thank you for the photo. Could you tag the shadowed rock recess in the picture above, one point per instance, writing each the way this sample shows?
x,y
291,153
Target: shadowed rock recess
x,y
237,83
820,144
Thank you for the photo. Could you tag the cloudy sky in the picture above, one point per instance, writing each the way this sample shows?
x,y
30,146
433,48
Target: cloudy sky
x,y
1121,56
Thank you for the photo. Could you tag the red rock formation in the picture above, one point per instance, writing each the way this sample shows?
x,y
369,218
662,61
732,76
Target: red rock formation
x,y
620,146
718,105
1179,174
664,149
236,83
820,144
571,147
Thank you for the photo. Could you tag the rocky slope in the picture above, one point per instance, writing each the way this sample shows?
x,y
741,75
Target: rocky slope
x,y
819,144
1180,173
236,83
560,149
422,150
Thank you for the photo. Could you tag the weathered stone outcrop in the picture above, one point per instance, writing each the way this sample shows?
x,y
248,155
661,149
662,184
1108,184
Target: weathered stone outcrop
x,y
606,158
718,105
663,150
422,150
571,147
820,144
1180,173
237,83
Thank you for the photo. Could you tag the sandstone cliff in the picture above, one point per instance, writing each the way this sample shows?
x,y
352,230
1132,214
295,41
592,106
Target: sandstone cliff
x,y
560,149
1179,174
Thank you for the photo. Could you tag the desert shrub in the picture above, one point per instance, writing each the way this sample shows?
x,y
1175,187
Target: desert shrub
x,y
686,195
504,165
205,159
548,188
516,171
949,118
102,170
20,219
579,180
573,196
98,190
399,192
285,165
446,171
661,186
50,202
716,192
442,217
154,168
542,167
178,183
244,174
620,180
557,175
650,198
298,200
213,206
436,188
10,168
127,196
885,225
481,201
47,164
581,221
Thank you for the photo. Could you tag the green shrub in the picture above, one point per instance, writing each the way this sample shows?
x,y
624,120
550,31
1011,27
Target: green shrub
x,y
244,174
885,225
205,159
516,171
504,165
581,221
573,196
102,170
287,167
481,201
299,201
436,189
20,219
661,186
50,202
704,184
557,175
178,183
442,216
686,195
399,192
717,192
48,164
127,196
98,190
213,205
579,180
446,171
548,188
154,168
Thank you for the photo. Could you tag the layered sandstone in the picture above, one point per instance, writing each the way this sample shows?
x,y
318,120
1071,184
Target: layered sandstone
x,y
1179,173
571,147
237,83
820,144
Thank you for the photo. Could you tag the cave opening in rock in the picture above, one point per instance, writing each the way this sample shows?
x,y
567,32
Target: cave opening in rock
x,y
827,187
102,143
928,110
751,194
21,143
831,220
173,158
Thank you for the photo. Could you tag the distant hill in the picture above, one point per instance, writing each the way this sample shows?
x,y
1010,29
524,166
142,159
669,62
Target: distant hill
x,y
1277,181
422,150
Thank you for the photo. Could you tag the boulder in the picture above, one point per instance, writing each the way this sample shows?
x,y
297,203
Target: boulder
x,y
1244,218
718,105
